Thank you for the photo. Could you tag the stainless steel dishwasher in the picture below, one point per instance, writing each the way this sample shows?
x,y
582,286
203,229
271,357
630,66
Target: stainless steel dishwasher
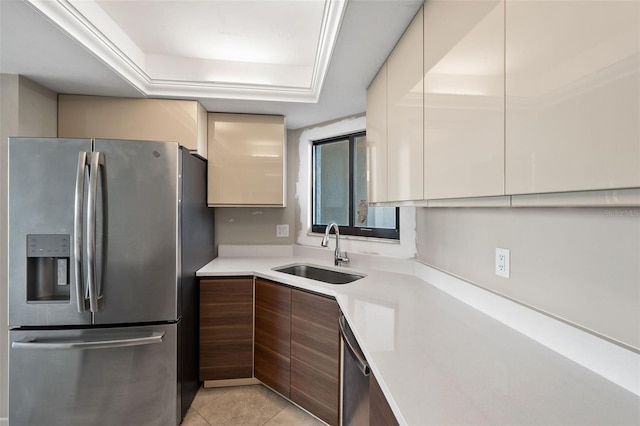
x,y
355,379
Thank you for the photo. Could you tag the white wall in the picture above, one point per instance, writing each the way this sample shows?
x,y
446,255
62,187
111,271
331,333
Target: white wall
x,y
406,248
578,264
26,109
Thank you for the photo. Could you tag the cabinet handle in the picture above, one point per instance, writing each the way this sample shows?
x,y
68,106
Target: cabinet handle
x,y
346,337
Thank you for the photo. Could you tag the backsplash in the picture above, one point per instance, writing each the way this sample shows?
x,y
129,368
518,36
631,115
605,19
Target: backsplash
x,y
578,264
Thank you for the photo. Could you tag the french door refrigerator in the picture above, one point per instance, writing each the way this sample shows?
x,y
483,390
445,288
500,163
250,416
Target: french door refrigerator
x,y
104,240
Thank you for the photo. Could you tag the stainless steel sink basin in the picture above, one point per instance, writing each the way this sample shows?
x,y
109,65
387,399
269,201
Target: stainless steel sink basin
x,y
319,274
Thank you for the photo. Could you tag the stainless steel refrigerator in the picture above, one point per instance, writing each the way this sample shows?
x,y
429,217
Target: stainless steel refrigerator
x,y
104,240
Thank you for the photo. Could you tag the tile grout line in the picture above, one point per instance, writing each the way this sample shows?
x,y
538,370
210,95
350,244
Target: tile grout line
x,y
202,417
204,405
198,413
274,416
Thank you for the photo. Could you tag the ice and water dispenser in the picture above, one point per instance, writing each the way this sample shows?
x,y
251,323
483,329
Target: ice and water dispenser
x,y
48,258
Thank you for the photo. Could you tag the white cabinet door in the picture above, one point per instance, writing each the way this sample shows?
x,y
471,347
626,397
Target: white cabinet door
x,y
463,99
246,160
405,115
572,95
377,137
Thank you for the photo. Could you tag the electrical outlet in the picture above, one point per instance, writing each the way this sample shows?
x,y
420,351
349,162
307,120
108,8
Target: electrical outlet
x,y
282,231
502,262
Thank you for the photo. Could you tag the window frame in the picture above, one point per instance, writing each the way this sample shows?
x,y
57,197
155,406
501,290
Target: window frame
x,y
351,230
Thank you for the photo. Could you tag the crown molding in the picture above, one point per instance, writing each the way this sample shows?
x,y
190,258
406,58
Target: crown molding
x,y
63,15
70,20
332,19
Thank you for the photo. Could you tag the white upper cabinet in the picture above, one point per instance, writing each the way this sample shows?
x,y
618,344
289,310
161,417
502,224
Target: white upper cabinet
x,y
404,116
377,137
463,98
165,120
572,95
246,160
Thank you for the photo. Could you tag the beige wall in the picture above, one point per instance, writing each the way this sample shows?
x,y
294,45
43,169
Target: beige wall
x,y
234,225
26,109
580,264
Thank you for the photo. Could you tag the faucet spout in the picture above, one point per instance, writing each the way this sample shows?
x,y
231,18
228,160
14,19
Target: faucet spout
x,y
338,257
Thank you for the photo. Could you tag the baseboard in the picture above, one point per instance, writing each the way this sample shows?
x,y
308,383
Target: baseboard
x,y
227,382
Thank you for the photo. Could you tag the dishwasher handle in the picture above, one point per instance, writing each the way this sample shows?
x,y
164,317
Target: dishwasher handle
x,y
349,341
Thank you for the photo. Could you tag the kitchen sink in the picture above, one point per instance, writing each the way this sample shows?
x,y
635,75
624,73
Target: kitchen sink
x,y
319,274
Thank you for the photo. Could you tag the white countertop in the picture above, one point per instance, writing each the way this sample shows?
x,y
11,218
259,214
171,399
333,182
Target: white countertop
x,y
440,361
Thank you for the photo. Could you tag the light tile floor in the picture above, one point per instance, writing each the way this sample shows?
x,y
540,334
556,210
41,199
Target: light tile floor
x,y
245,405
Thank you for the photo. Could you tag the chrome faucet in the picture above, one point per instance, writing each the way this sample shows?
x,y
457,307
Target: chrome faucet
x,y
338,257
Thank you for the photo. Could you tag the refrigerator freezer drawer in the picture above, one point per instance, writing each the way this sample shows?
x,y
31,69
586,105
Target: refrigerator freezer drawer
x,y
109,376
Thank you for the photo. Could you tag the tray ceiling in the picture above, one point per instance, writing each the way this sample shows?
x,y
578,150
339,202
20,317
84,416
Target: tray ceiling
x,y
58,55
277,50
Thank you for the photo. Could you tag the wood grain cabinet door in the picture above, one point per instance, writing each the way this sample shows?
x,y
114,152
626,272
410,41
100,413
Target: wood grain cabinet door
x,y
273,335
315,355
226,328
380,413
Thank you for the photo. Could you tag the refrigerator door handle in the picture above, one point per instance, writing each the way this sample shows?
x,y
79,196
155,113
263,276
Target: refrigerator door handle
x,y
78,215
97,161
90,344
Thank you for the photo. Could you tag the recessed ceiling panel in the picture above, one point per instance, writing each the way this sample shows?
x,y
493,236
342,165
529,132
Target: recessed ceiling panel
x,y
276,50
270,32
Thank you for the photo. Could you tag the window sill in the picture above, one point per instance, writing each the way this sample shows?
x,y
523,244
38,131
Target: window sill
x,y
356,238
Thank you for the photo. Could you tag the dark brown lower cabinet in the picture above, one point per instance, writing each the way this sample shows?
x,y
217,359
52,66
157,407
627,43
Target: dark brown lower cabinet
x,y
296,342
315,355
380,413
226,328
273,335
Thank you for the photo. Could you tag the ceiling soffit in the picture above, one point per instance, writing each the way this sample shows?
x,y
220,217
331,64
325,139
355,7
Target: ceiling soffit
x,y
181,73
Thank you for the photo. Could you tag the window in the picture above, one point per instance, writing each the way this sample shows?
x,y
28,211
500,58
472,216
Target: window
x,y
340,190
